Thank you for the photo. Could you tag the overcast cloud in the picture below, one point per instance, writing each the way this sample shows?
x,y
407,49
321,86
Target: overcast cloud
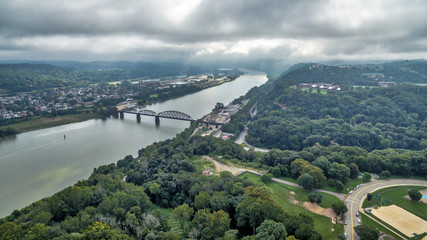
x,y
195,30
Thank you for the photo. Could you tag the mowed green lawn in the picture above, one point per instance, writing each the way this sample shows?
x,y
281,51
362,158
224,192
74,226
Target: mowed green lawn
x,y
281,194
397,197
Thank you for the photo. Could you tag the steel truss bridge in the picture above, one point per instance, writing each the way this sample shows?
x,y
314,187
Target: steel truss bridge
x,y
170,114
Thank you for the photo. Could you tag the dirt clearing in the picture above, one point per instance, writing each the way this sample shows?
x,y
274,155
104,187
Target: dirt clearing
x,y
313,207
402,220
219,167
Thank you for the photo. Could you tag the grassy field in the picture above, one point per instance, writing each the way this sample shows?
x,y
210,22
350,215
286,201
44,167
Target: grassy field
x,y
114,83
46,122
397,197
350,185
202,164
281,194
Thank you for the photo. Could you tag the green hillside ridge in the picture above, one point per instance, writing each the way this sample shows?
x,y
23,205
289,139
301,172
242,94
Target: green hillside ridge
x,y
371,118
25,77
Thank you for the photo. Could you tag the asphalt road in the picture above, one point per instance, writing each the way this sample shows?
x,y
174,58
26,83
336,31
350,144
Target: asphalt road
x,y
356,199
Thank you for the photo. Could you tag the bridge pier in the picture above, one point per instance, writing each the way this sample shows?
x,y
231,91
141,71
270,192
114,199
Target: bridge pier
x,y
115,114
138,117
122,115
157,119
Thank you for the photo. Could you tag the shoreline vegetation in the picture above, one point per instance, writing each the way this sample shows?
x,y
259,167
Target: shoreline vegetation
x,y
41,122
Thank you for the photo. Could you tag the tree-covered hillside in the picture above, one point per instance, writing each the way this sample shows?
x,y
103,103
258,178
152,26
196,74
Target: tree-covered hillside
x,y
122,201
29,77
161,194
292,117
364,75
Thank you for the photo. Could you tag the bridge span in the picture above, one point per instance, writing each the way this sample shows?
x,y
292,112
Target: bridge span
x,y
170,114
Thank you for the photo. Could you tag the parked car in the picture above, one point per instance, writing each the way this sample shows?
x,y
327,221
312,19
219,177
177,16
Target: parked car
x,y
358,220
345,222
345,235
357,214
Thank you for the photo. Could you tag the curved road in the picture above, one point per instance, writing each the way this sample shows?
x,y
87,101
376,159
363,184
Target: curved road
x,y
241,138
356,199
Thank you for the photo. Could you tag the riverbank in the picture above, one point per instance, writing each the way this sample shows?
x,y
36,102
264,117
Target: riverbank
x,y
47,122
37,123
53,163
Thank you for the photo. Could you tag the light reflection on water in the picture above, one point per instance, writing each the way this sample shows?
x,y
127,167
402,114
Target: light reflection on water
x,y
39,163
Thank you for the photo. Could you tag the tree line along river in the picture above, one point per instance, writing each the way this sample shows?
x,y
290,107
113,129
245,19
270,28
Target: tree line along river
x,y
36,164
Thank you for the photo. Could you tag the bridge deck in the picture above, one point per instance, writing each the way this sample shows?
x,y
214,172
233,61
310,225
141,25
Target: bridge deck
x,y
168,114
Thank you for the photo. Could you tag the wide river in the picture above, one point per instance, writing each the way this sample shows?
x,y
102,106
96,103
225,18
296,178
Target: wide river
x,y
36,164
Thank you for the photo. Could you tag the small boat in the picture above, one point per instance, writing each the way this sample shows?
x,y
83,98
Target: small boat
x,y
65,136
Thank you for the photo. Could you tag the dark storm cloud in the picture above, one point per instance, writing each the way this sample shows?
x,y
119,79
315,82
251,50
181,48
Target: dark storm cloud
x,y
192,29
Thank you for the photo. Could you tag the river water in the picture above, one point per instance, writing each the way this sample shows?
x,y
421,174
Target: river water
x,y
36,164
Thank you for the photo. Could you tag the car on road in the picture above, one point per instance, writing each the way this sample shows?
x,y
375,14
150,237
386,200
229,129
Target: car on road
x,y
345,235
350,192
358,220
357,214
346,201
345,222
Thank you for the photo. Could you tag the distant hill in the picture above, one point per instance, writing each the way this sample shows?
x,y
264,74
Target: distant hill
x,y
414,71
27,77
21,77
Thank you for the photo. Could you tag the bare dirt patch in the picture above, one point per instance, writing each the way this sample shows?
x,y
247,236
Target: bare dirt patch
x,y
292,199
313,207
219,167
402,220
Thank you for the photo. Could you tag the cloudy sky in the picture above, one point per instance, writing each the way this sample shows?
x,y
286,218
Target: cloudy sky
x,y
196,30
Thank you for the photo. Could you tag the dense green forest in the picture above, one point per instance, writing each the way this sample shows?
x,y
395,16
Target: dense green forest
x,y
289,117
127,200
208,207
28,77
